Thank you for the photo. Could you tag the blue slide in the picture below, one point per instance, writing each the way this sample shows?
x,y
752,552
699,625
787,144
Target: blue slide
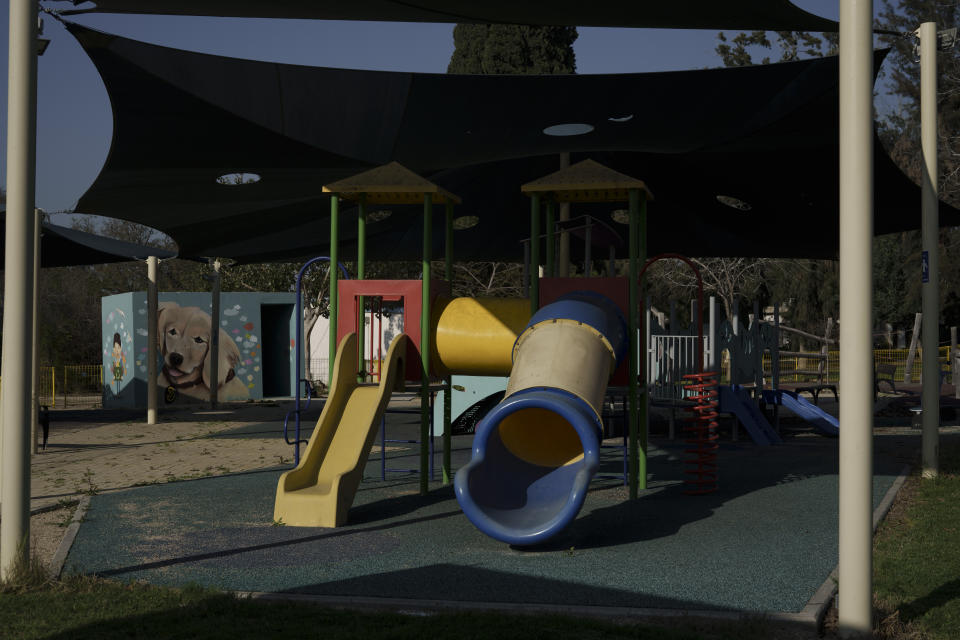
x,y
535,453
822,421
736,400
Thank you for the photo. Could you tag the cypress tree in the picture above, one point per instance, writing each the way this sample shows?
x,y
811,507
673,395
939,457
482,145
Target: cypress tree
x,y
512,49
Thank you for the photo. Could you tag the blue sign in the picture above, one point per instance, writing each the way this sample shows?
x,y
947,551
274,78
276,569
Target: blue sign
x,y
925,267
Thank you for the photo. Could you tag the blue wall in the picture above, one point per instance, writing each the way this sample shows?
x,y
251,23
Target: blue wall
x,y
125,315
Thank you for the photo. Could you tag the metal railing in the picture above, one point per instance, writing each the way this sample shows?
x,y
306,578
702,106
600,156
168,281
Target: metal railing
x,y
669,358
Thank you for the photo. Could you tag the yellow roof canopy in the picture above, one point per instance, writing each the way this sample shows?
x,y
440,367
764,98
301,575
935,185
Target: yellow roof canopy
x,y
586,181
390,184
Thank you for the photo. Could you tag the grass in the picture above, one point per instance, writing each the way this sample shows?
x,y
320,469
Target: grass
x,y
917,555
78,607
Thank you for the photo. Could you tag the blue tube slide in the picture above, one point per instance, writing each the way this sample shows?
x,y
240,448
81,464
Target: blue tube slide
x,y
535,453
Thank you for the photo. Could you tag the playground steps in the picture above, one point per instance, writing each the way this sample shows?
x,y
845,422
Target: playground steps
x,y
737,401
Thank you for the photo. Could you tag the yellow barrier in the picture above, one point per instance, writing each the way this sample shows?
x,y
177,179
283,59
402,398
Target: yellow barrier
x,y
790,365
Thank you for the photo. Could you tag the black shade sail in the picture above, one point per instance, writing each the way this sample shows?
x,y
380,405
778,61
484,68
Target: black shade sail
x,y
742,161
65,247
774,15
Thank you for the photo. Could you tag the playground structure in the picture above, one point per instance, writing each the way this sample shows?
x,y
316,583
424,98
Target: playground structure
x,y
534,453
560,359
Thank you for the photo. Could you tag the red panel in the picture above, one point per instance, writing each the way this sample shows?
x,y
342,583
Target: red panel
x,y
407,292
617,289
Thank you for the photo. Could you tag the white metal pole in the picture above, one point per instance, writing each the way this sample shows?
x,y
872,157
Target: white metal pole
x,y
18,301
215,336
930,286
855,605
153,340
35,332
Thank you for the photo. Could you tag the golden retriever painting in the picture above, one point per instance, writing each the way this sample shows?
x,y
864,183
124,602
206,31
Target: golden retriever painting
x,y
184,336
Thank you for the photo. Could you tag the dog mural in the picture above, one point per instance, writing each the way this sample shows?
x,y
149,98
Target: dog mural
x,y
184,344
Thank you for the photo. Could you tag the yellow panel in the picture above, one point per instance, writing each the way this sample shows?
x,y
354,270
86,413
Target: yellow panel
x,y
541,437
475,336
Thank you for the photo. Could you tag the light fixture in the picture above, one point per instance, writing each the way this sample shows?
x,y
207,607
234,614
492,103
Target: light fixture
x,y
238,178
621,215
568,129
378,215
734,203
465,222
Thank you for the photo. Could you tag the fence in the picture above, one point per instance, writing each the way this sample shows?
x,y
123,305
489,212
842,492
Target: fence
x,y
790,365
72,386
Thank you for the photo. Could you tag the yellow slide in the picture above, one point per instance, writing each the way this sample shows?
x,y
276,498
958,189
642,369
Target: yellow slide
x,y
320,490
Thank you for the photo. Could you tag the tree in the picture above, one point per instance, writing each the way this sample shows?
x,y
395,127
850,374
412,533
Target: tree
x,y
793,45
900,129
512,49
806,287
505,49
897,296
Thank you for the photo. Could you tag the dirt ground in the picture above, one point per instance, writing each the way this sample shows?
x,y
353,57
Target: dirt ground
x,y
86,458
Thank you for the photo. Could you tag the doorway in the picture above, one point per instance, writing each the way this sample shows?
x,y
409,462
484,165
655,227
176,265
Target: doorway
x,y
275,321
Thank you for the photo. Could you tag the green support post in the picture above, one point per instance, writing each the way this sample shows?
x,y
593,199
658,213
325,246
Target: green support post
x,y
644,399
551,260
361,274
447,399
534,253
634,343
334,262
425,344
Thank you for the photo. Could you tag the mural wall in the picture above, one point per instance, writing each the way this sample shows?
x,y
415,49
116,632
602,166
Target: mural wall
x,y
256,344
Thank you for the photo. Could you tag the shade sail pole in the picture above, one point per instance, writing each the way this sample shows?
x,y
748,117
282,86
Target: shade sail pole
x,y
35,337
635,341
215,334
930,224
644,403
152,339
17,364
856,303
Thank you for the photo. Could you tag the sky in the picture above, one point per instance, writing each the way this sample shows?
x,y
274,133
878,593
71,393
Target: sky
x,y
74,124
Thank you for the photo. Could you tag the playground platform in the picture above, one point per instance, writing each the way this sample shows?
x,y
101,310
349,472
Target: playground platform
x,y
764,544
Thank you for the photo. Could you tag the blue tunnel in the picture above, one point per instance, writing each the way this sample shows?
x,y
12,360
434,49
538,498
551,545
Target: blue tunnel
x,y
535,453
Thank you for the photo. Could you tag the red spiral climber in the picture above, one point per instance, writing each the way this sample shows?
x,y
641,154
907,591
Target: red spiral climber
x,y
701,434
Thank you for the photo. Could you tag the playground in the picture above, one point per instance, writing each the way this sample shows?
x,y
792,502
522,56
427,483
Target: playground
x,y
624,468
765,542
568,494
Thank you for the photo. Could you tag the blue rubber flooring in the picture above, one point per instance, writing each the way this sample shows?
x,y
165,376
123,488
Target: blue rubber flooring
x,y
763,543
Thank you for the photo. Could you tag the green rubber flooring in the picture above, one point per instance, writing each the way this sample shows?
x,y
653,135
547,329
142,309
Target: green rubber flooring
x,y
763,543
